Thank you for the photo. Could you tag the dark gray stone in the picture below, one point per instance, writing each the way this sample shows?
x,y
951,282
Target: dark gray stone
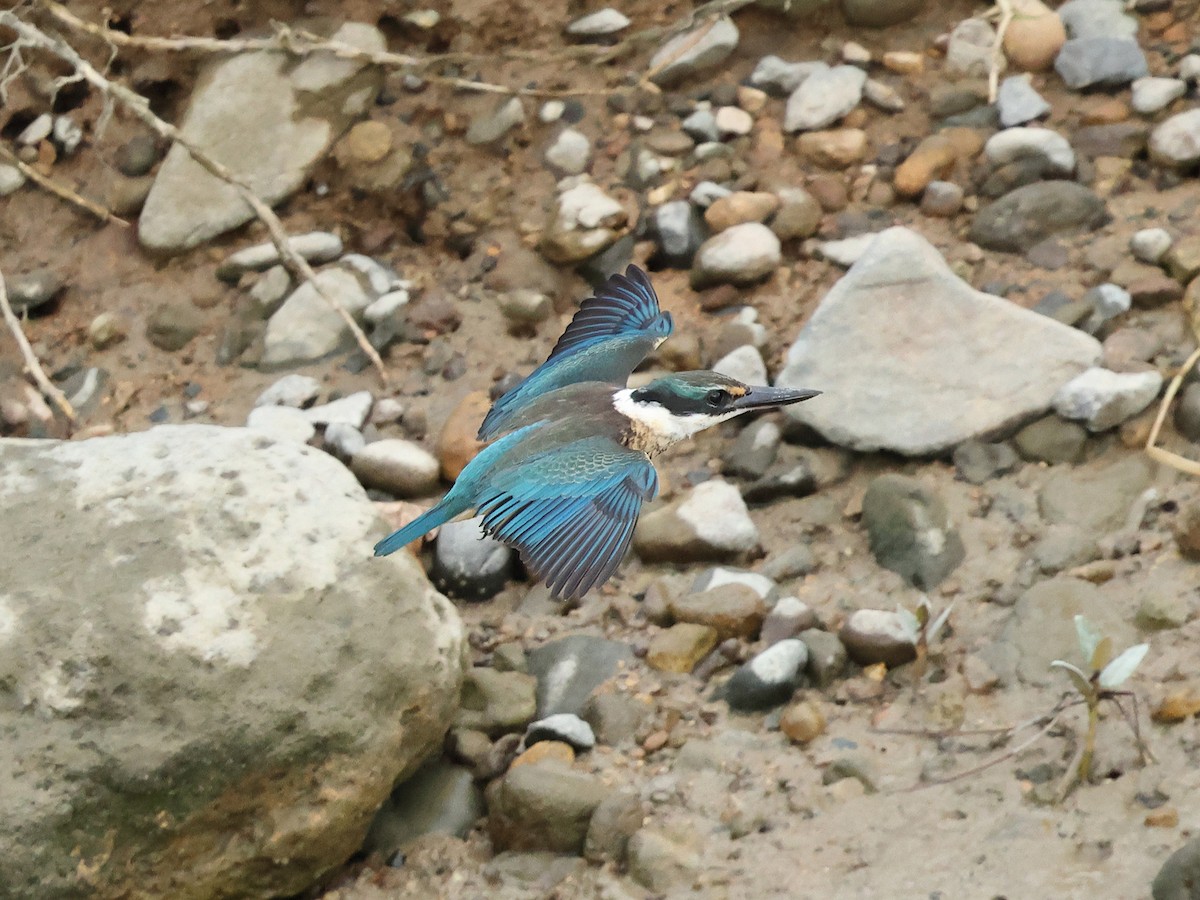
x,y
469,565
1100,62
1179,876
439,798
978,462
826,656
769,679
569,669
910,531
1051,439
1030,214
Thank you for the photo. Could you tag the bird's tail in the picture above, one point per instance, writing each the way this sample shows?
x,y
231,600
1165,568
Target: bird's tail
x,y
427,521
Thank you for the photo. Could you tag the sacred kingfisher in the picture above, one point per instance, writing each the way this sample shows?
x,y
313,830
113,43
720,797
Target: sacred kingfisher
x,y
568,467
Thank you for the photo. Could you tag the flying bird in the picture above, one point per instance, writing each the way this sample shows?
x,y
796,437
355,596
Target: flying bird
x,y
569,464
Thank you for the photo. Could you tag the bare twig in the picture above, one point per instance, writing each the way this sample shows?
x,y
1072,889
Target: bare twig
x,y
1006,17
61,191
1161,454
31,361
139,106
303,43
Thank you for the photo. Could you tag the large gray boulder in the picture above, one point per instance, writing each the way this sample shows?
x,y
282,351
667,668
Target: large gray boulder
x,y
268,117
207,685
914,360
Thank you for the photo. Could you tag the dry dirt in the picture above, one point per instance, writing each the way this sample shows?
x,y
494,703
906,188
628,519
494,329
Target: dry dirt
x,y
981,837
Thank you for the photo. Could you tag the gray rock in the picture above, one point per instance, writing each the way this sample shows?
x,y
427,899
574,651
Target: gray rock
x,y
1097,19
11,179
316,247
290,390
754,450
543,806
779,77
1030,214
1063,546
1103,399
569,669
942,198
701,125
733,122
680,231
378,277
1179,875
68,135
495,702
710,523
910,531
742,254
439,798
798,216
617,718
173,324
613,823
601,23
307,327
880,13
1097,501
270,290
282,423
826,656
1107,301
570,153
929,382
660,863
219,603
469,565
86,389
744,363
493,126
719,576
1150,245
847,251
525,306
883,96
399,467
343,441
978,462
769,679
30,290
1052,440
1187,413
970,49
387,307
1176,141
1149,95
350,410
1042,144
565,727
787,619
36,131
786,481
873,636
1042,627
1189,67
1018,102
824,97
693,51
257,113
137,156
1100,62
583,224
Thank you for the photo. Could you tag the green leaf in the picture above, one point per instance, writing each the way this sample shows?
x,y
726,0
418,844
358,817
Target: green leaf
x,y
1078,677
1088,637
1118,671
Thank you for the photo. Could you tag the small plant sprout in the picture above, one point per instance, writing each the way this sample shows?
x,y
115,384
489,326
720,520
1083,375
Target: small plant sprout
x,y
923,628
1100,681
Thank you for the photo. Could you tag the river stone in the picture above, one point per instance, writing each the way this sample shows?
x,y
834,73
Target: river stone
x,y
910,531
824,97
267,116
569,669
467,563
1103,399
710,523
210,661
951,364
1097,501
1030,214
307,327
441,798
544,805
1180,874
686,54
1100,62
1019,102
1176,141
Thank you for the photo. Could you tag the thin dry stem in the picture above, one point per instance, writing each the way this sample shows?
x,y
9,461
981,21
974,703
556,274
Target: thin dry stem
x,y
299,42
62,191
140,107
1161,454
31,361
1006,17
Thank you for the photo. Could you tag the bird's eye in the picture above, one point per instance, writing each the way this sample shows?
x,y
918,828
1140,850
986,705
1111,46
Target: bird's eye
x,y
716,399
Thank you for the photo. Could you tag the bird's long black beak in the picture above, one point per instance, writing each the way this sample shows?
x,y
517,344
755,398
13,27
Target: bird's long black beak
x,y
770,397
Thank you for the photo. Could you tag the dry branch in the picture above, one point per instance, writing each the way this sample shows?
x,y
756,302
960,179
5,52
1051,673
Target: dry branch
x,y
139,106
1161,454
31,361
61,191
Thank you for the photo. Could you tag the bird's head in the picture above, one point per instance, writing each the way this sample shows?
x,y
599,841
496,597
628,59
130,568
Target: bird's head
x,y
677,406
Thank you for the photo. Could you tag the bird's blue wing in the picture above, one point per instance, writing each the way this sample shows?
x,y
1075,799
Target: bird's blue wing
x,y
624,304
609,336
570,511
